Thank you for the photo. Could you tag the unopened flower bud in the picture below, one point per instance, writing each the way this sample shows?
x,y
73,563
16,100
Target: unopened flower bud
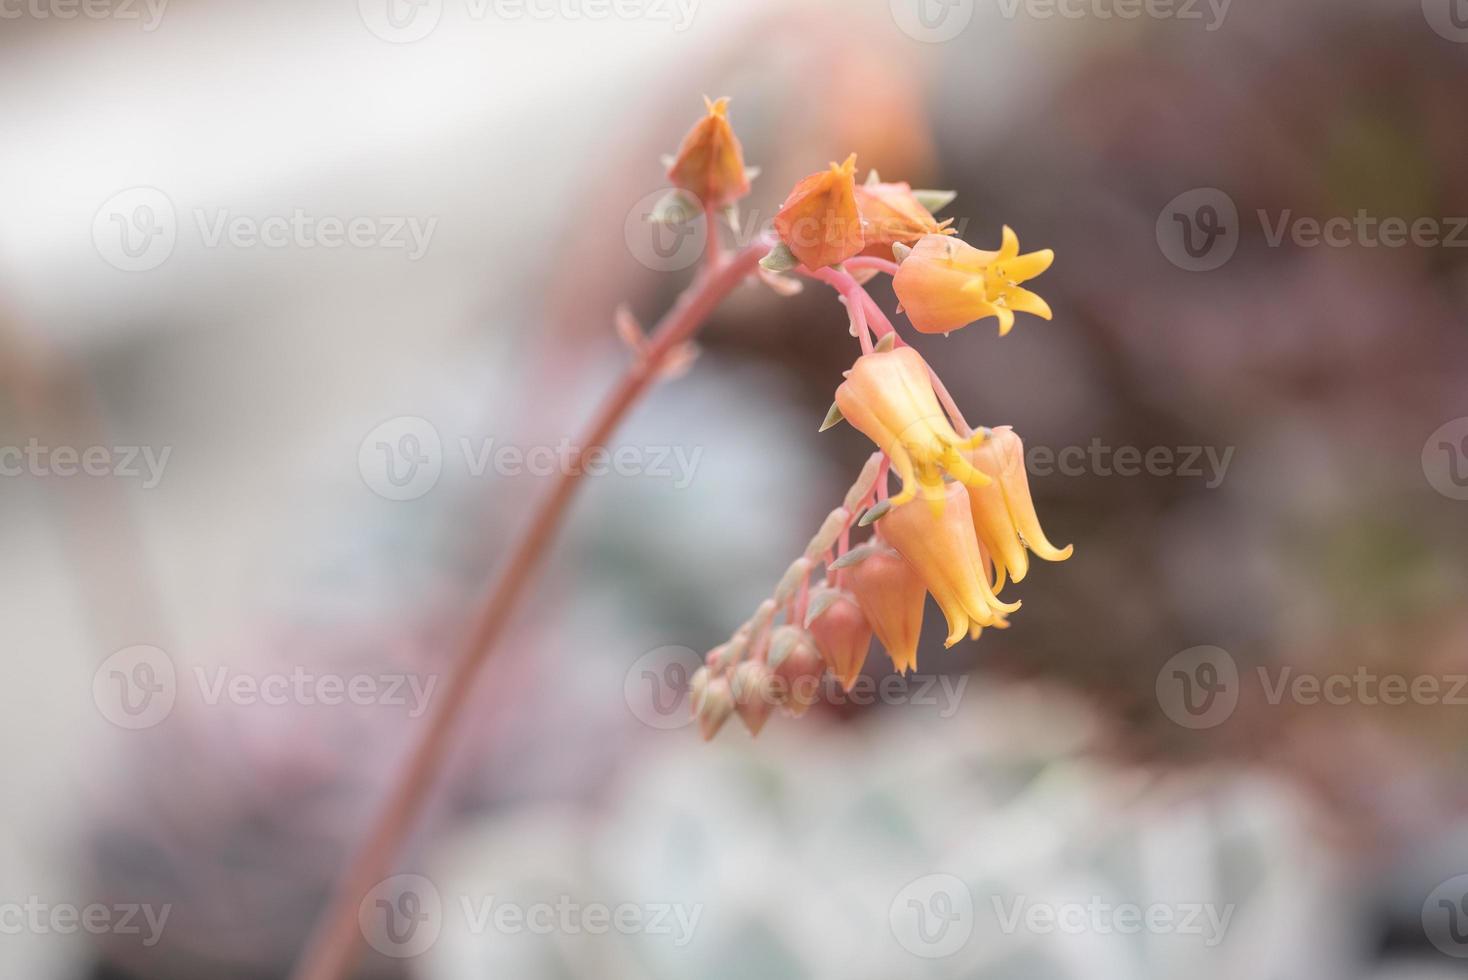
x,y
715,705
753,698
831,529
792,580
820,221
798,669
865,483
762,618
710,163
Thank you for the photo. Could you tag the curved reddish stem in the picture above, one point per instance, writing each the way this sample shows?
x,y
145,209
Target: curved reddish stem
x,y
872,262
334,945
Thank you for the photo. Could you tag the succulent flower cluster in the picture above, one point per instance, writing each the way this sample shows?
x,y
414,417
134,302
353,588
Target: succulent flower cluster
x,y
961,524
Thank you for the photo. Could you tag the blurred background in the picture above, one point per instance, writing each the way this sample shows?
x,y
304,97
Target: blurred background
x,y
298,300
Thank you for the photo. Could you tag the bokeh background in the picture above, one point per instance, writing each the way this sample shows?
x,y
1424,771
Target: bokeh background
x,y
179,786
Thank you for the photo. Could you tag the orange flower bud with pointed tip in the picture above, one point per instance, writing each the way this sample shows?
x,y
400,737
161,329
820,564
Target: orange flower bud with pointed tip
x,y
891,595
820,222
710,163
943,548
798,668
892,214
1004,512
842,635
888,396
946,284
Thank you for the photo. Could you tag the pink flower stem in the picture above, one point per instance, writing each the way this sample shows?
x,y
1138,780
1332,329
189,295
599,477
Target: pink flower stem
x,y
713,247
333,947
858,304
949,405
872,262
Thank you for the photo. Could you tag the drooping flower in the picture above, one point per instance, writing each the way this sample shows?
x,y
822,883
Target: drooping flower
x,y
891,595
819,222
798,668
892,214
842,633
945,284
943,549
710,162
889,397
1004,512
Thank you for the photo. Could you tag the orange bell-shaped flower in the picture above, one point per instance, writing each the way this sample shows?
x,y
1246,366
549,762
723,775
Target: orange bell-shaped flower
x,y
1004,512
891,595
842,633
945,284
943,548
889,396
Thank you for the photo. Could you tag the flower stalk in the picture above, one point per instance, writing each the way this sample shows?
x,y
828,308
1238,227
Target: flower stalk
x,y
333,948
